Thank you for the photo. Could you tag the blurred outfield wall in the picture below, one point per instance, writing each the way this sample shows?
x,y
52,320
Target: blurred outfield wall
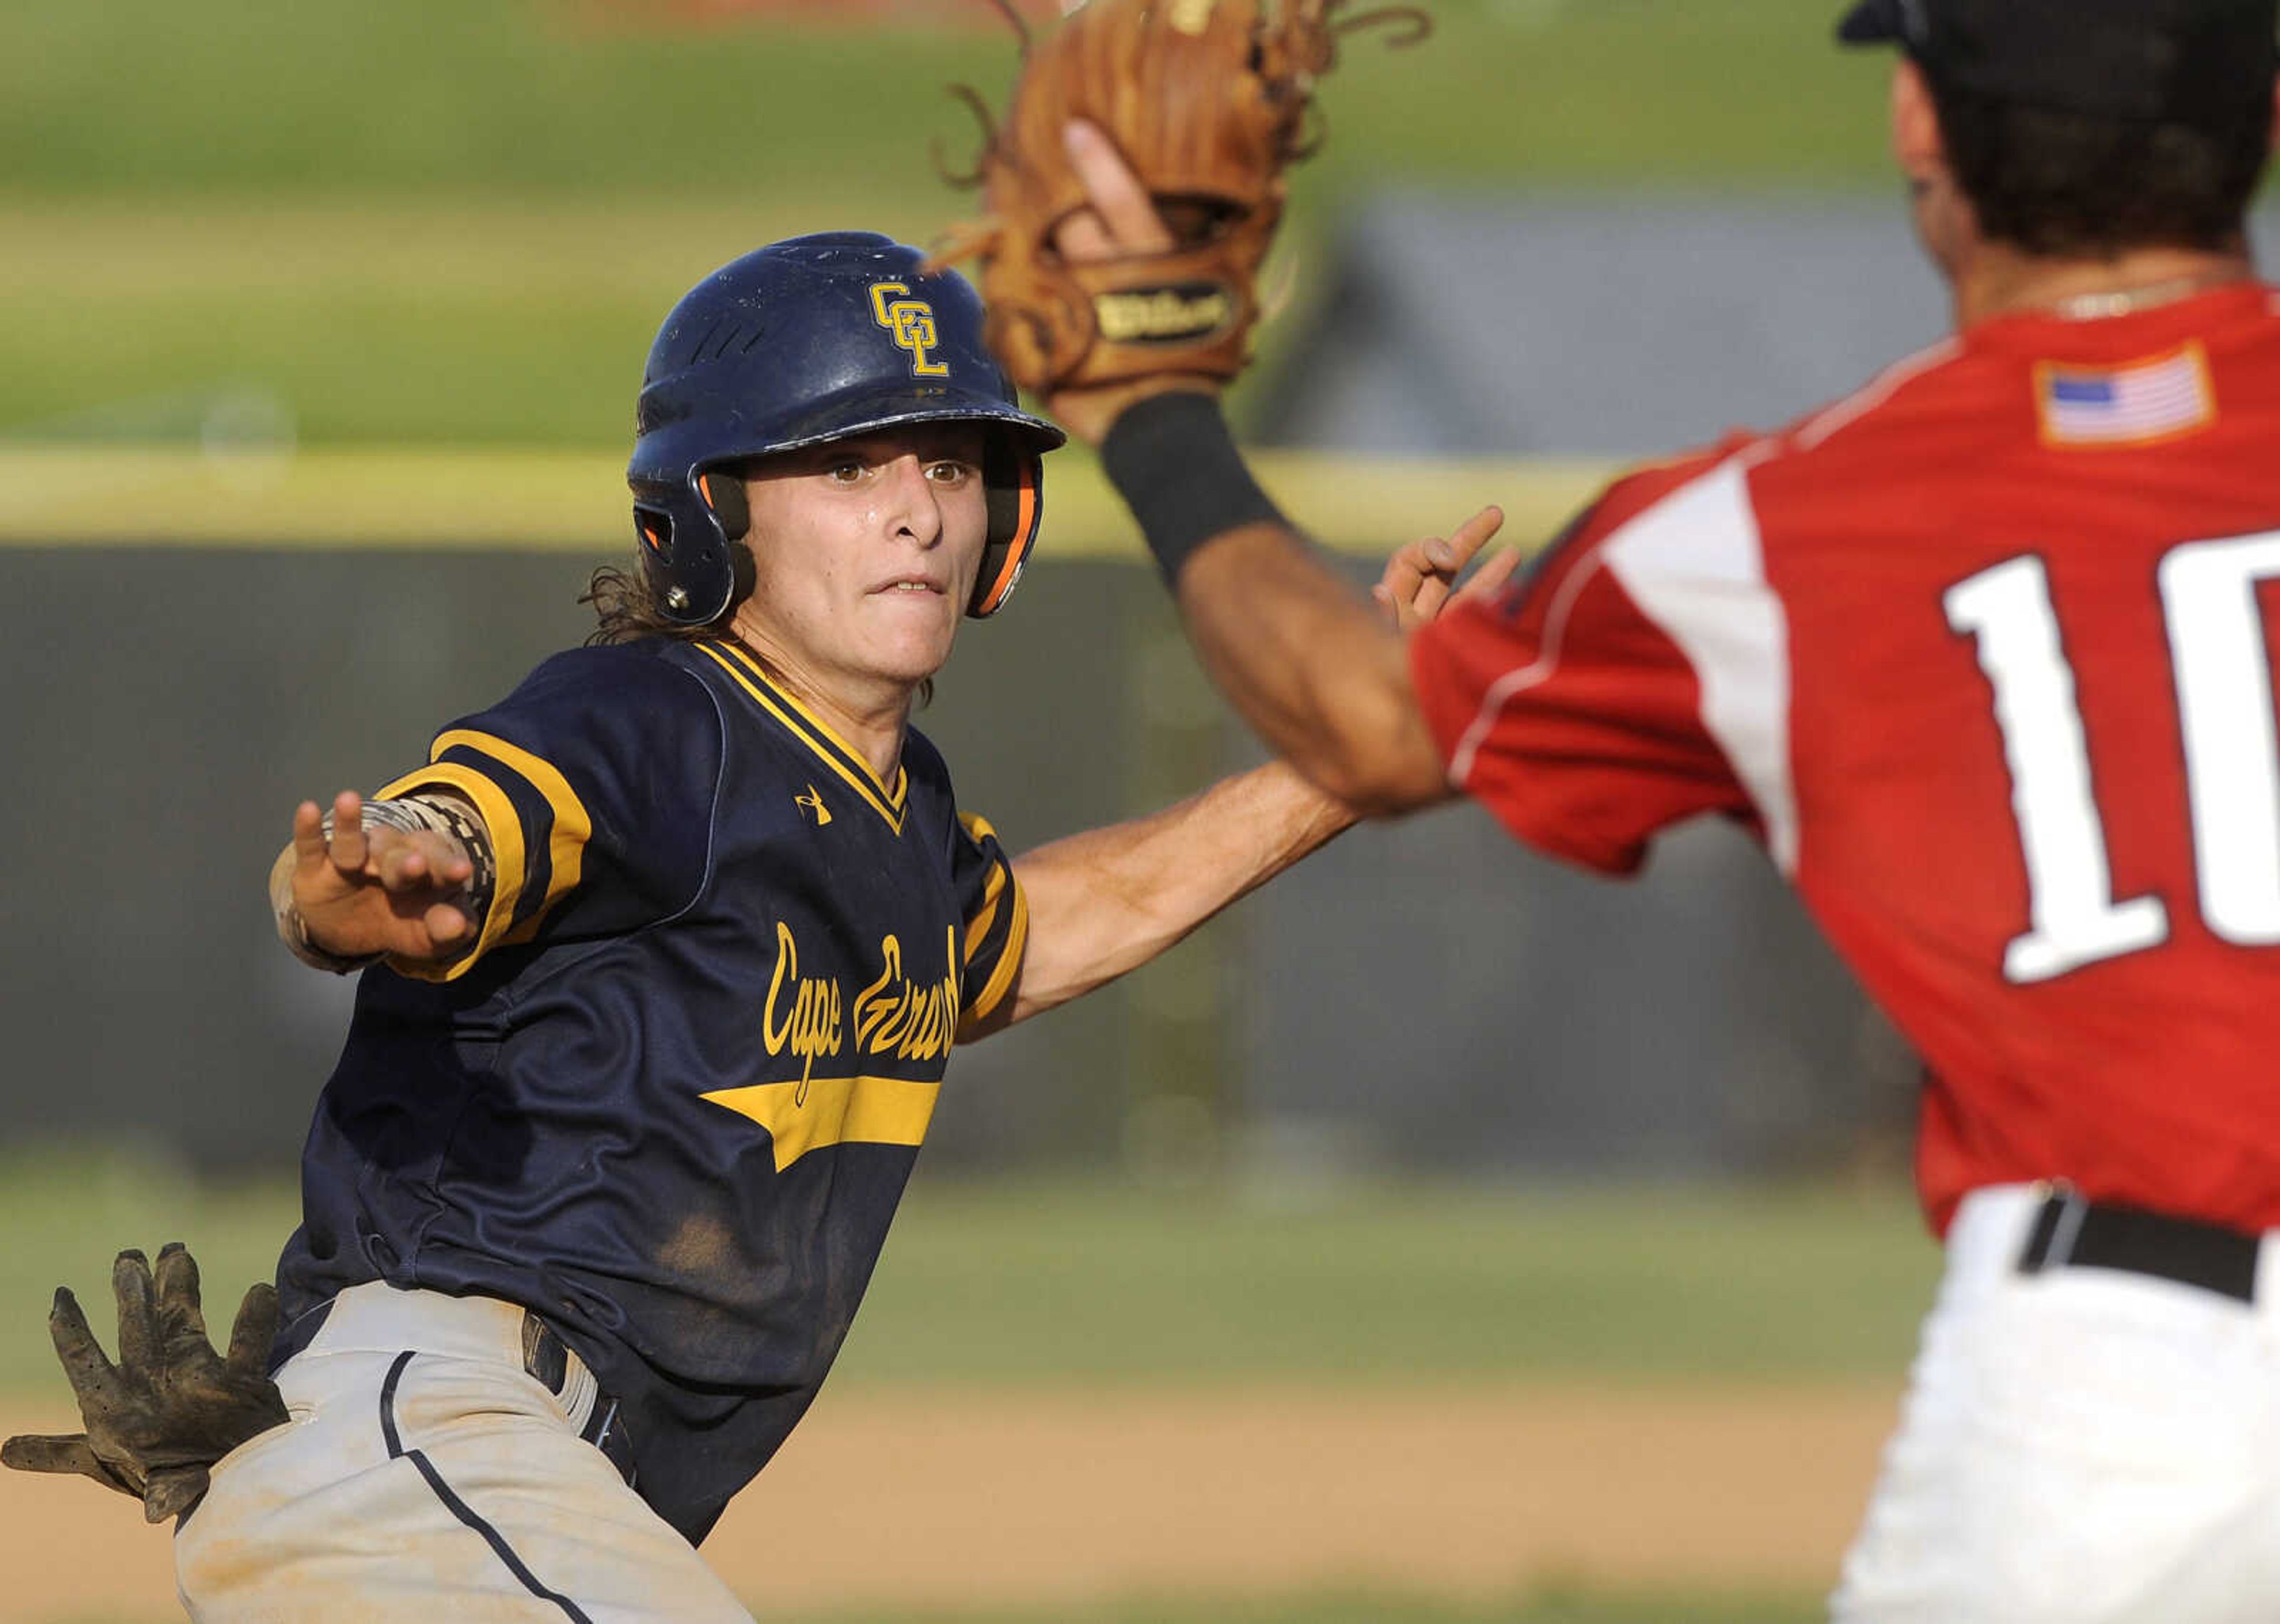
x,y
221,635
316,230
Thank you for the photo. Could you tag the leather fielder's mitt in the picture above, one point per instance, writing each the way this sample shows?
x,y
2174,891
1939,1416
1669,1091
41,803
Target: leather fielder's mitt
x,y
1208,101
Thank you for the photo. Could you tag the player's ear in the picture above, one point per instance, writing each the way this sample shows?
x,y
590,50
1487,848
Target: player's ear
x,y
1918,147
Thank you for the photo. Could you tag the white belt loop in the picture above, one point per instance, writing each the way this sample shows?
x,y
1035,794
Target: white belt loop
x,y
2268,1272
1987,1238
579,1389
2073,1209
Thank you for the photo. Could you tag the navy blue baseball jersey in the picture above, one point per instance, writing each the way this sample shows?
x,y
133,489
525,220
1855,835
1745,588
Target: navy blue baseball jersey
x,y
671,1100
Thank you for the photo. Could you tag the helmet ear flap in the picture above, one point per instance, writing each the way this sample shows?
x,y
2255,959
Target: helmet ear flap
x,y
1014,479
743,571
724,493
689,541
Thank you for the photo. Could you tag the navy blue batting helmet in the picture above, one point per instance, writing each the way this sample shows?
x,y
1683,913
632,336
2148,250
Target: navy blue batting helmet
x,y
797,344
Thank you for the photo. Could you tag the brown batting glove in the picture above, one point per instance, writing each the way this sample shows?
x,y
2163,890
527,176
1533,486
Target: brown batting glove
x,y
158,1420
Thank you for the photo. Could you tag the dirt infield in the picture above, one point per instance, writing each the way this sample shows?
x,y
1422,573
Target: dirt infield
x,y
897,1495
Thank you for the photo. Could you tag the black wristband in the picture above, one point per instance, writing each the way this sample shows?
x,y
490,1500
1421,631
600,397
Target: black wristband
x,y
1174,462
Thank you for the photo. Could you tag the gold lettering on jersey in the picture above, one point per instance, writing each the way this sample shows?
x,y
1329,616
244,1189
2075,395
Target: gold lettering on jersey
x,y
912,322
894,1015
911,1022
801,1014
1166,315
813,804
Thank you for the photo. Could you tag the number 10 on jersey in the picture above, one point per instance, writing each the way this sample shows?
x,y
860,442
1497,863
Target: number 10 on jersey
x,y
2223,670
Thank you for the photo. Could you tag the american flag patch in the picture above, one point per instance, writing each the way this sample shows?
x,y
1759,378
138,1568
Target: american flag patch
x,y
2153,399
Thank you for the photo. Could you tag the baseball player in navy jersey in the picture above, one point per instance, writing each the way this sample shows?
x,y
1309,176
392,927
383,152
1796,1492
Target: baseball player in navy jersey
x,y
664,957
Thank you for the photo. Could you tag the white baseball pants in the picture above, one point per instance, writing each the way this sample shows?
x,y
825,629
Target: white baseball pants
x,y
424,1476
2078,1446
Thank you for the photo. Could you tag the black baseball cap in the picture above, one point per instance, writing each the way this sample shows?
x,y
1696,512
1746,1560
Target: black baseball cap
x,y
2196,62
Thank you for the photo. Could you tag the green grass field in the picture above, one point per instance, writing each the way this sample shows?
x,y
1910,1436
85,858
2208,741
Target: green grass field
x,y
566,97
1038,1285
1058,1283
1025,1283
458,221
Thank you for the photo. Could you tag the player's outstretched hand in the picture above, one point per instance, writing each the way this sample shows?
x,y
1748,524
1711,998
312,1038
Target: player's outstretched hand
x,y
1122,222
363,892
1421,579
158,1419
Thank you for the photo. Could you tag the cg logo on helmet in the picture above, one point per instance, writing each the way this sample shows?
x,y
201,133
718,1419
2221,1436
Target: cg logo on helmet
x,y
912,322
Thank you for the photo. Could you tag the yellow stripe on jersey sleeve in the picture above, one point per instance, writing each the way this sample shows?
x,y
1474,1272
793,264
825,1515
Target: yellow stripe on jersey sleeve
x,y
505,827
993,894
1009,961
566,840
978,927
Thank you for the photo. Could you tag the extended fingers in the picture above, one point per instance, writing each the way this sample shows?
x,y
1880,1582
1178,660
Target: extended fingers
x,y
398,860
309,835
90,1371
407,861
181,1312
1406,570
1124,219
1490,577
1474,534
349,850
31,1452
138,1312
1416,579
1436,558
1420,578
254,1330
1476,531
71,1456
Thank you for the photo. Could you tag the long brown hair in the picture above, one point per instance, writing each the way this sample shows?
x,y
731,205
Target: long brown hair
x,y
626,607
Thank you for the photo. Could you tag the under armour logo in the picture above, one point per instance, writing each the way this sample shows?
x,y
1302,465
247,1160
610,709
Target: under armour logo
x,y
814,802
912,322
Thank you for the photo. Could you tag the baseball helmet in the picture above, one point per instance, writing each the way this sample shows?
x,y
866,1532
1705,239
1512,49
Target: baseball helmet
x,y
797,344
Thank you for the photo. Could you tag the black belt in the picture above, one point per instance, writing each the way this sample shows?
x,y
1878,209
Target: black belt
x,y
2070,1232
547,1358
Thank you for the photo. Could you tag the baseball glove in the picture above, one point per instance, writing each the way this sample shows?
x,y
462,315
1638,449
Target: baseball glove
x,y
1208,102
172,1406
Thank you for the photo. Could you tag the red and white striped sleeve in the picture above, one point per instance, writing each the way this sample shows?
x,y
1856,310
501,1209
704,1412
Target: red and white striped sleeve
x,y
1636,677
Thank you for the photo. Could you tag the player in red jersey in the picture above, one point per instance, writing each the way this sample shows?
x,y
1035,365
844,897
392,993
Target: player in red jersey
x,y
1981,655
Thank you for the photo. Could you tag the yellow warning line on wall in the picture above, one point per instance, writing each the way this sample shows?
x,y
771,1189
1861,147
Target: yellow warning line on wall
x,y
575,501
